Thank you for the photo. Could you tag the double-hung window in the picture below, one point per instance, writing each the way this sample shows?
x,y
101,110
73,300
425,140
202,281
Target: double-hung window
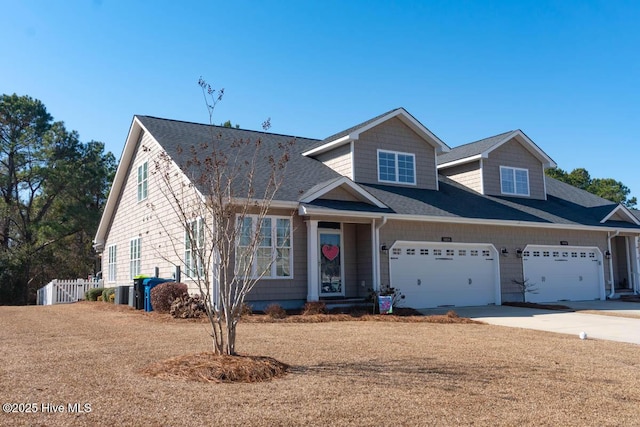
x,y
135,257
514,181
396,167
111,263
193,248
264,247
143,178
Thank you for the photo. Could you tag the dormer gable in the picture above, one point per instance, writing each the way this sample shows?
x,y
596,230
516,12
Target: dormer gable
x,y
509,164
341,189
621,214
392,149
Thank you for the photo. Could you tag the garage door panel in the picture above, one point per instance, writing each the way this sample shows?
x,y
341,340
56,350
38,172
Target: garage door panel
x,y
561,273
432,274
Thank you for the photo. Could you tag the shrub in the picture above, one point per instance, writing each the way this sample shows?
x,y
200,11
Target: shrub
x,y
109,295
163,295
93,294
246,310
314,307
275,311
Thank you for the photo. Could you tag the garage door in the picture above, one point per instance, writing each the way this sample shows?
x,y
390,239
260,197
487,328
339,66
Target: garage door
x,y
432,274
563,273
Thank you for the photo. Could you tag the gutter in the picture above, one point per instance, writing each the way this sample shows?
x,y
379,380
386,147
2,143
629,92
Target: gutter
x,y
612,295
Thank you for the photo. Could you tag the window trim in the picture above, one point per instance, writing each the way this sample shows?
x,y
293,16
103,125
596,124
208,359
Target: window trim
x,y
274,246
143,181
112,263
190,270
513,170
397,167
137,262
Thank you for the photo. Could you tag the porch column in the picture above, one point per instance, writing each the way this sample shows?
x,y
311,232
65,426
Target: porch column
x,y
312,260
375,257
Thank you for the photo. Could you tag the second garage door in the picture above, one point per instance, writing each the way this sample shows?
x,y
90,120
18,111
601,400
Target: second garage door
x,y
557,273
432,274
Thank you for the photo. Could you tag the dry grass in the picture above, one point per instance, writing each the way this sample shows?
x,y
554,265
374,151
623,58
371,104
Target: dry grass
x,y
349,373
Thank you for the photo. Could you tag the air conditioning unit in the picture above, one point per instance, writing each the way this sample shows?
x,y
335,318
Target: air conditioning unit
x,y
122,295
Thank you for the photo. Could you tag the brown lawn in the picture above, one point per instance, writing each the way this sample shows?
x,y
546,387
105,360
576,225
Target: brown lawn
x,y
342,373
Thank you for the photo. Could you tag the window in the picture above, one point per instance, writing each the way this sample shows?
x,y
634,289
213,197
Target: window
x,y
272,255
193,245
134,257
514,181
396,167
111,263
143,175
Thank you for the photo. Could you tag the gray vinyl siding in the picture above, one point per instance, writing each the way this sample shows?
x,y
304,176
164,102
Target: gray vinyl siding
x,y
364,260
339,194
393,135
513,154
339,160
511,238
467,174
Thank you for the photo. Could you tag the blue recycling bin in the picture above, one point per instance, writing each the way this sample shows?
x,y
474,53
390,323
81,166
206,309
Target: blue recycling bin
x,y
149,284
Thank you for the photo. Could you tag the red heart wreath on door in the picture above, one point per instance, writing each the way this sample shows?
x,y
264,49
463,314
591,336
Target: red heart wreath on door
x,y
330,251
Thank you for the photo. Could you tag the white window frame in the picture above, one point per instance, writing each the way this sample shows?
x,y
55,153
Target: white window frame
x,y
143,181
512,172
135,257
112,265
284,243
396,179
192,263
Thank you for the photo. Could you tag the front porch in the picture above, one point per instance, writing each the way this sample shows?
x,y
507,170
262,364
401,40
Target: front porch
x,y
342,260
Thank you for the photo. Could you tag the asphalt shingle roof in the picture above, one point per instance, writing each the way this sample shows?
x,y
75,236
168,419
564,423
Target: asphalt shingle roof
x,y
178,138
565,204
471,149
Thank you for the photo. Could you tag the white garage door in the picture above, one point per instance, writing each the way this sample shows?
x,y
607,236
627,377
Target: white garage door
x,y
557,273
432,274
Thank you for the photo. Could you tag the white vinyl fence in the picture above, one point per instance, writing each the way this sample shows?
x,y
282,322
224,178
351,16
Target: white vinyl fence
x,y
65,291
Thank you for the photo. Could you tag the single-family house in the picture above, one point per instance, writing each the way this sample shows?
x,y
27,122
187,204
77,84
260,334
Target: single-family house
x,y
387,203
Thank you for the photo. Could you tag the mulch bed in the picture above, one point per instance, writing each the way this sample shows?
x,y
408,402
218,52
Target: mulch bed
x,y
212,368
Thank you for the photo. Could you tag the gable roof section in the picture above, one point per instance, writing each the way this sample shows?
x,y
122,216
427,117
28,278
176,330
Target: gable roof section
x,y
135,132
353,133
482,148
317,191
621,213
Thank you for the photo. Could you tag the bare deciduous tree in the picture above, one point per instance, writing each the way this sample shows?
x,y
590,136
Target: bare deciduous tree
x,y
221,196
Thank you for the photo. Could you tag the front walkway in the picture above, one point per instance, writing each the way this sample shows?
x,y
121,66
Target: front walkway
x,y
604,327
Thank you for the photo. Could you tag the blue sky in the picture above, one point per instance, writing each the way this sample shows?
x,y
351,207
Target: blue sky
x,y
565,72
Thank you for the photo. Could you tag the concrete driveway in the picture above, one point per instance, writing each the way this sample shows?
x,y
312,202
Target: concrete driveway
x,y
596,326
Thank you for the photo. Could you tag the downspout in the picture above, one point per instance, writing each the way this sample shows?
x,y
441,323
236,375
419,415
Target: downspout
x,y
612,294
376,237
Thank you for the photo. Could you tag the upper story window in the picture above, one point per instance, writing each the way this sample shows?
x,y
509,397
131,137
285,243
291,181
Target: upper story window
x,y
143,175
396,167
514,181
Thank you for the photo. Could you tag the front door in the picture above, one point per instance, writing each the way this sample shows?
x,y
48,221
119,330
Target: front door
x,y
331,263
